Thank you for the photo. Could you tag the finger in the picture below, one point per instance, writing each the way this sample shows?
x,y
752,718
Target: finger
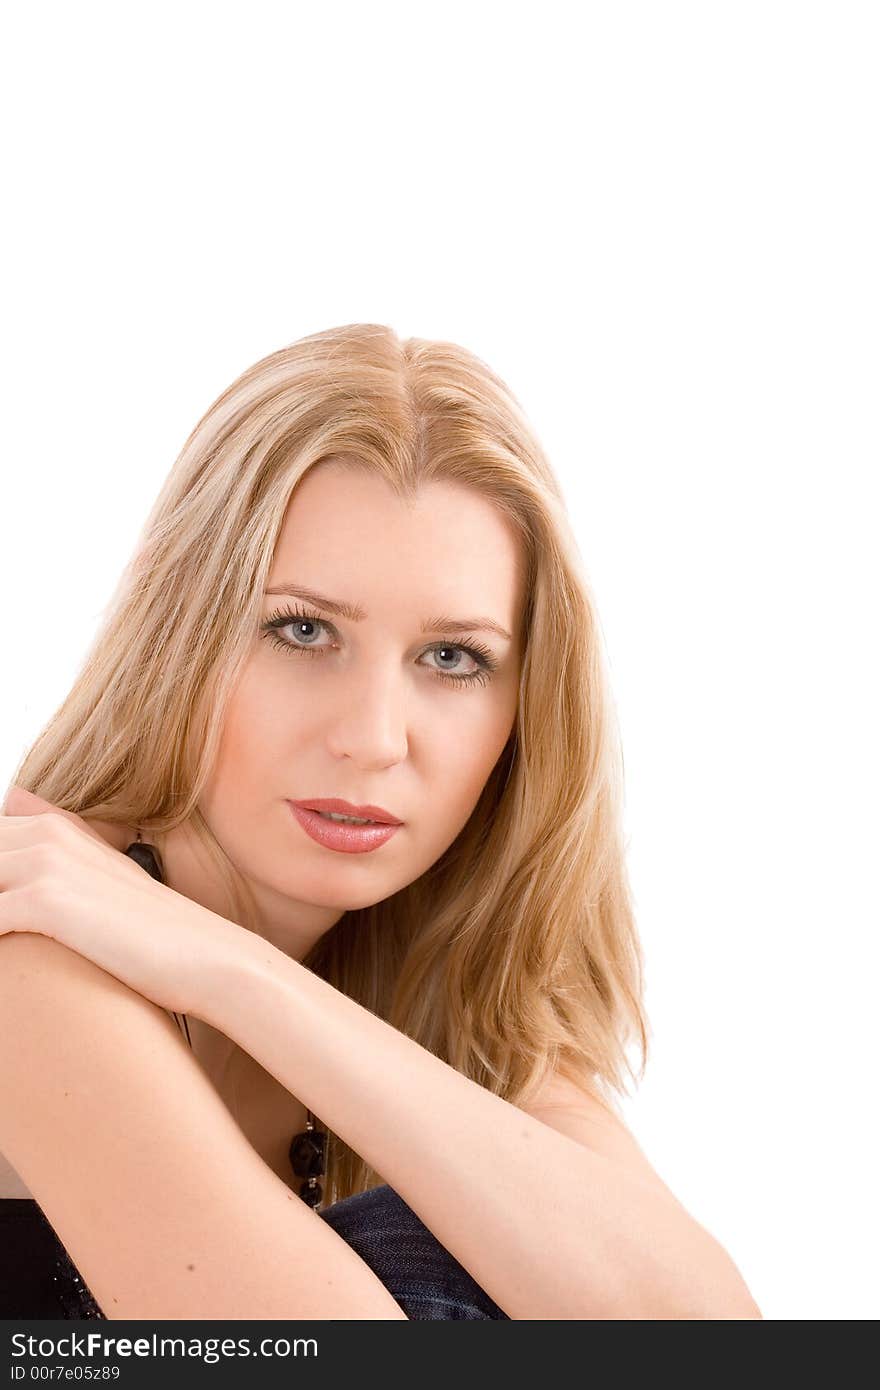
x,y
18,913
20,803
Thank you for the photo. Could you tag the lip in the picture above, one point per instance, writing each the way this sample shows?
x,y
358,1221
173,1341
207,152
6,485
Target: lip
x,y
346,839
346,808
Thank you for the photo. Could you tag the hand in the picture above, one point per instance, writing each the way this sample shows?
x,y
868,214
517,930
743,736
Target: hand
x,y
60,879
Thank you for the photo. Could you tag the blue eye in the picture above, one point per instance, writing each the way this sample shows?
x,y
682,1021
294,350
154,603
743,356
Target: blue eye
x,y
273,627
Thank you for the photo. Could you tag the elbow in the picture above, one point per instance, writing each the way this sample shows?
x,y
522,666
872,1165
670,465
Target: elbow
x,y
751,1311
699,1304
716,1292
731,1302
700,1282
727,1295
738,1306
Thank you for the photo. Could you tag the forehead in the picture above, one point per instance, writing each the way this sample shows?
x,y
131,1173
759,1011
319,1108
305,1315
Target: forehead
x,y
347,534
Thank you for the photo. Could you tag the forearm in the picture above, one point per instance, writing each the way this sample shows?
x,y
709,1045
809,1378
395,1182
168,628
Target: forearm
x,y
548,1227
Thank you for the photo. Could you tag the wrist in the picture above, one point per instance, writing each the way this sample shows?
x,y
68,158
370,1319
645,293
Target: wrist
x,y
219,975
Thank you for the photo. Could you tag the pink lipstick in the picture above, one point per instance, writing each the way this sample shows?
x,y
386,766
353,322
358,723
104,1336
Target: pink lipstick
x,y
347,839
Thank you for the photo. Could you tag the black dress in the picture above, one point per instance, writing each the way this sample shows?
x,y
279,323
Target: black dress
x,y
38,1279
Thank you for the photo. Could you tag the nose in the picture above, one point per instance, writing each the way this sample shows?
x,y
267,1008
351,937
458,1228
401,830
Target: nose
x,y
368,721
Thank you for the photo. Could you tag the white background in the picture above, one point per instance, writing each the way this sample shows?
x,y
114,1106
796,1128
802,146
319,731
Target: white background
x,y
659,222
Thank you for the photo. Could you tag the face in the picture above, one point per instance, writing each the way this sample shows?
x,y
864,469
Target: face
x,y
371,709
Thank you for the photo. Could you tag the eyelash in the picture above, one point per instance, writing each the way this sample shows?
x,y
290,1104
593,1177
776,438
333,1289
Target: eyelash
x,y
281,619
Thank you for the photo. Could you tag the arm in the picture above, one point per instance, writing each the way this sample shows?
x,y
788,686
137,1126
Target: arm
x,y
551,1226
164,1207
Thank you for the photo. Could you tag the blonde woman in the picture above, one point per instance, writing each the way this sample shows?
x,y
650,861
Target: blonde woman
x,y
303,1067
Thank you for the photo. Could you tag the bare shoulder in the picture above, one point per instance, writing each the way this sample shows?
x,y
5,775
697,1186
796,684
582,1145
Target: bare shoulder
x,y
163,1205
35,966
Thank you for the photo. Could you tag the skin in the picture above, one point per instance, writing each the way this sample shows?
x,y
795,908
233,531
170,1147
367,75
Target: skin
x,y
368,720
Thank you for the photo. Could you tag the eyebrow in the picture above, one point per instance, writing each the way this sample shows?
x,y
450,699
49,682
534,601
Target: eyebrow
x,y
356,614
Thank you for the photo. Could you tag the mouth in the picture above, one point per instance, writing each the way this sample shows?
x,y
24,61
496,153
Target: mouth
x,y
346,837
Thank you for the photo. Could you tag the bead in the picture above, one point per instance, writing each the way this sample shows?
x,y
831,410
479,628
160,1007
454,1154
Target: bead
x,y
148,858
307,1153
311,1194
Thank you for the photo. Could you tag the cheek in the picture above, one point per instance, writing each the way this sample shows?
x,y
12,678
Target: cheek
x,y
461,760
259,727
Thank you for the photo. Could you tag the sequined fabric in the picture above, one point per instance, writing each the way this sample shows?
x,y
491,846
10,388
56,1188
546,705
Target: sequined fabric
x,y
75,1298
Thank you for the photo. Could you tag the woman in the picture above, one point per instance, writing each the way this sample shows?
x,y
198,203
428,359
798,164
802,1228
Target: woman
x,y
358,583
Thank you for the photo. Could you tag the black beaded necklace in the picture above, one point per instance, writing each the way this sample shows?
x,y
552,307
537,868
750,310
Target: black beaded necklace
x,y
307,1149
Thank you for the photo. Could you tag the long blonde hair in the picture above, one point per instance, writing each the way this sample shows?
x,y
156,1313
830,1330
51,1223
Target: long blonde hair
x,y
516,954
